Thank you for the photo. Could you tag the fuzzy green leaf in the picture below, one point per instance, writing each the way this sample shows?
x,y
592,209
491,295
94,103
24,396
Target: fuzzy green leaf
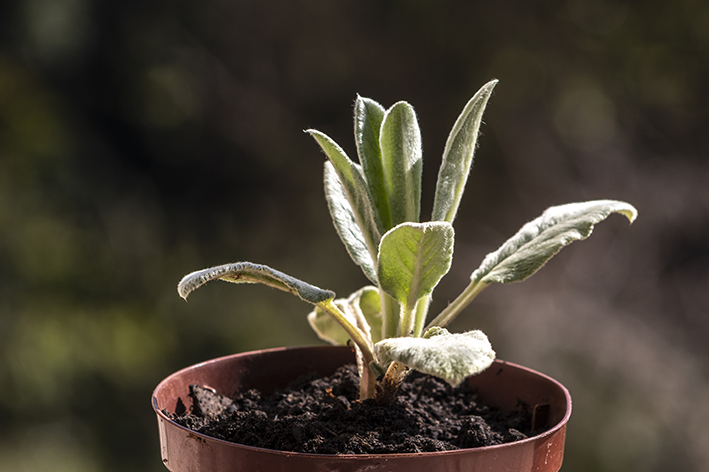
x,y
247,272
458,156
400,143
368,121
451,357
345,223
539,240
413,257
355,187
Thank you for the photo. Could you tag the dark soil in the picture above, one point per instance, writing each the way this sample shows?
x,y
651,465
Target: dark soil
x,y
321,415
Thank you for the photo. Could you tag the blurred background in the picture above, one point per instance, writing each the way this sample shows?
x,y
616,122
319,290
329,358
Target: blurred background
x,y
141,140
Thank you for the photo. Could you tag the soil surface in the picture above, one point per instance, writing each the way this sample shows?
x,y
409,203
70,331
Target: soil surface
x,y
321,415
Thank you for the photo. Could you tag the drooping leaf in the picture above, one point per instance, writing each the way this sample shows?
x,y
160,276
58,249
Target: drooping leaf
x,y
345,223
247,272
400,143
368,121
413,257
356,190
451,357
540,239
458,156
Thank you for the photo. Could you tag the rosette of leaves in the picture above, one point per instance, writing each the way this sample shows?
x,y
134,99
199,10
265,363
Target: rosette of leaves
x,y
375,205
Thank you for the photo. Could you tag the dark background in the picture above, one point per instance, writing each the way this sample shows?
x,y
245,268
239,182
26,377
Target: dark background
x,y
141,140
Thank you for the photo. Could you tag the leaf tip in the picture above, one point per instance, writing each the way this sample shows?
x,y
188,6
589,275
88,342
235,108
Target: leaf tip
x,y
182,291
631,213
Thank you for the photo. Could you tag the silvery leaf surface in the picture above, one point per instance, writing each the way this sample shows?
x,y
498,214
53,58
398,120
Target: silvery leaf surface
x,y
413,257
355,188
400,144
451,357
346,224
247,272
540,239
368,117
458,156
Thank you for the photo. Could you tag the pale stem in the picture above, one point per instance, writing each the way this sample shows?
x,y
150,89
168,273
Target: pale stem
x,y
390,315
367,383
356,334
406,327
421,312
454,309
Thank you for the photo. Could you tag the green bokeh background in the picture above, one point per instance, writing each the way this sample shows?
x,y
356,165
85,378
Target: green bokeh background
x,y
141,140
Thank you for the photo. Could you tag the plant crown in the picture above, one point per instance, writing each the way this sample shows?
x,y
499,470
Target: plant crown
x,y
375,207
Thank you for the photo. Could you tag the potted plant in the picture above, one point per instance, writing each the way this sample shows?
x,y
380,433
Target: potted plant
x,y
375,207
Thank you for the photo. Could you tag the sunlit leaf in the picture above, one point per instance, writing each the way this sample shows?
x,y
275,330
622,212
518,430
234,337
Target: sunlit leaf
x,y
345,223
451,357
368,118
539,240
247,272
400,144
356,190
413,257
458,156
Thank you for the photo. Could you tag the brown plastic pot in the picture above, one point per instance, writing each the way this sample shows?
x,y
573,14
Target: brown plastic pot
x,y
502,385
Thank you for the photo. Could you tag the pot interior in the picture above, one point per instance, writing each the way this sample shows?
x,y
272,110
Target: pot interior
x,y
502,385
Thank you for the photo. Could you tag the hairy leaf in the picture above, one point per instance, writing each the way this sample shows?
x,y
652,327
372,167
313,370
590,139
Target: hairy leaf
x,y
345,223
247,272
368,121
413,257
458,156
451,357
539,240
400,143
355,187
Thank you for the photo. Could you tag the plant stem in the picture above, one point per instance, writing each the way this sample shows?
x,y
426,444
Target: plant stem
x,y
421,312
390,315
454,309
389,385
356,334
406,327
367,377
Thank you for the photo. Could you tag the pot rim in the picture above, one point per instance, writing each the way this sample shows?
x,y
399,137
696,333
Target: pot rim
x,y
548,433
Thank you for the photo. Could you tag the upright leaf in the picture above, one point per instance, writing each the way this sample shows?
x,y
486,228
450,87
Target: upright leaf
x,y
346,223
413,257
458,156
368,121
539,240
367,301
355,187
400,143
247,272
451,357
